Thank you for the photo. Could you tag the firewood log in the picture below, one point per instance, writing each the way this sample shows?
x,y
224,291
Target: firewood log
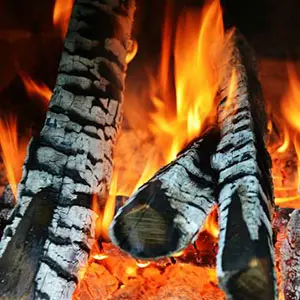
x,y
290,258
52,228
165,214
245,255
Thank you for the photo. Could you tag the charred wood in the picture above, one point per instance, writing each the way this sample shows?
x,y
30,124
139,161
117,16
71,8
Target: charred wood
x,y
165,214
290,258
245,255
7,203
51,231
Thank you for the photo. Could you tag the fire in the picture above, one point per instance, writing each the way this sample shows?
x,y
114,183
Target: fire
x,y
196,83
195,74
211,224
291,104
13,151
132,52
109,209
198,34
35,89
286,141
287,119
61,15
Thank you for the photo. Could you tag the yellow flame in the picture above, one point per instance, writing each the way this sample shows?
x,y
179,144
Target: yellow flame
x,y
13,151
61,15
286,141
132,52
109,210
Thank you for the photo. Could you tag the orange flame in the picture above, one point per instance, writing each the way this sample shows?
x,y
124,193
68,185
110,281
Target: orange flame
x,y
109,209
211,225
197,36
132,52
290,119
286,141
291,104
34,89
195,74
13,151
61,15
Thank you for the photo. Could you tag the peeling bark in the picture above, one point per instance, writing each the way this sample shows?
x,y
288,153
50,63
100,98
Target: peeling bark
x,y
245,256
165,214
51,231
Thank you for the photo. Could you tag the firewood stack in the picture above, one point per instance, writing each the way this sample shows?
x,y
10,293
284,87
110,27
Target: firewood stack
x,y
50,232
231,168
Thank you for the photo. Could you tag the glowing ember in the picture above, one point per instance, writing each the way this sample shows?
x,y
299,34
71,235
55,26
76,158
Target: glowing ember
x,y
61,15
100,256
143,264
178,254
130,271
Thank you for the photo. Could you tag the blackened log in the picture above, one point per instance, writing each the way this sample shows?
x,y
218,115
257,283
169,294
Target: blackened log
x,y
245,255
7,203
51,230
165,214
290,258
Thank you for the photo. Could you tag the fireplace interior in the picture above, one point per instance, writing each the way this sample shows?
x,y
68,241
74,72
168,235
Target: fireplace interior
x,y
166,106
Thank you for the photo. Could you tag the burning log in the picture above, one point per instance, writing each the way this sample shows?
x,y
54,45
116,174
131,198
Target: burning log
x,y
51,231
165,214
245,256
290,258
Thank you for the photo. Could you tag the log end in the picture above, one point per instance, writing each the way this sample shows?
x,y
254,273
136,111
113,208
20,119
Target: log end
x,y
254,282
146,226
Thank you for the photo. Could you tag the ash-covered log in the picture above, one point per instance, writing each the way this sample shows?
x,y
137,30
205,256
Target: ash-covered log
x,y
165,214
290,258
245,255
51,231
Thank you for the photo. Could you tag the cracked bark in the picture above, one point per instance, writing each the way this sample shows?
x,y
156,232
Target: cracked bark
x,y
245,255
290,258
51,230
165,214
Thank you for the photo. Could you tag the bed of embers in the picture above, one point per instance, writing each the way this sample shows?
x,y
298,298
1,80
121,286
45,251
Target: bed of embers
x,y
190,274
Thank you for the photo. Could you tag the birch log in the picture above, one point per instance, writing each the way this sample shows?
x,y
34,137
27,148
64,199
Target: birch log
x,y
52,228
165,214
290,258
245,255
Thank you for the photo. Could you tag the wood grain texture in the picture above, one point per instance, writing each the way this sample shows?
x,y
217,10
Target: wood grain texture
x,y
245,256
52,228
165,214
